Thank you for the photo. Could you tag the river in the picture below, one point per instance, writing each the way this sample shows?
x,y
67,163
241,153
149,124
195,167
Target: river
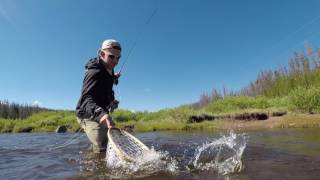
x,y
268,154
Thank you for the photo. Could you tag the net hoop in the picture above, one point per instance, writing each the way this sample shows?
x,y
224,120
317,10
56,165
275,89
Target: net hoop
x,y
122,154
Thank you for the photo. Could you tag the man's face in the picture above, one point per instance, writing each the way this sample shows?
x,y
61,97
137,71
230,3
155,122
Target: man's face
x,y
110,57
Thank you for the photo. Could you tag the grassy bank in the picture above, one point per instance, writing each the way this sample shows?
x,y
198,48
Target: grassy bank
x,y
40,122
300,101
173,119
292,120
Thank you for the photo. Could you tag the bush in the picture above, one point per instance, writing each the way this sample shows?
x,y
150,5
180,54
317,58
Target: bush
x,y
238,103
234,103
124,116
305,99
279,102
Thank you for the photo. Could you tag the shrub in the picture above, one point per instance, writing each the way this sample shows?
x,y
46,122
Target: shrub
x,y
124,116
234,103
305,99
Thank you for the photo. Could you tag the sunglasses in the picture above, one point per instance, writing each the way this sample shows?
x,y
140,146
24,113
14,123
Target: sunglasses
x,y
112,57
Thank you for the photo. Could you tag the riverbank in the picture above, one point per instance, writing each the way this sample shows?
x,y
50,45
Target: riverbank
x,y
50,121
288,121
47,121
291,120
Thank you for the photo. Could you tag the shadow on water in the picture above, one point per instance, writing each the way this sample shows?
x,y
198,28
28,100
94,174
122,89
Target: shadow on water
x,y
277,154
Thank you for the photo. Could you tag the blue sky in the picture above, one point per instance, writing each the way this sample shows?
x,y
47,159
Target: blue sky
x,y
188,48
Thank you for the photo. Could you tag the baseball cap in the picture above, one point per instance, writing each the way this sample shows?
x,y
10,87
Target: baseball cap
x,y
111,44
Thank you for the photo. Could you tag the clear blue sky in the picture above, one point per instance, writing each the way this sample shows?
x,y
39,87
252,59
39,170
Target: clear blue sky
x,y
188,48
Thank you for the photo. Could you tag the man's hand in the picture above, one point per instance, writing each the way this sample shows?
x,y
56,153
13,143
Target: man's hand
x,y
117,75
116,78
107,121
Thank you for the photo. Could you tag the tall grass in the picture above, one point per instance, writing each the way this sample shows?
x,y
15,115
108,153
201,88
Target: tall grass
x,y
179,114
305,99
292,87
303,70
240,103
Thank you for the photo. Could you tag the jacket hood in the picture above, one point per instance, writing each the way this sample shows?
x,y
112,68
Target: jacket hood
x,y
94,64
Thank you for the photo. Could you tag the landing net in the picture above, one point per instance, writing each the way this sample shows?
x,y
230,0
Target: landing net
x,y
126,146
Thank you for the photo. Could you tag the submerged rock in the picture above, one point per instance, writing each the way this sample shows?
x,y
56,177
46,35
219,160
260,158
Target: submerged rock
x,y
200,118
129,128
251,116
275,114
26,129
259,116
62,129
243,116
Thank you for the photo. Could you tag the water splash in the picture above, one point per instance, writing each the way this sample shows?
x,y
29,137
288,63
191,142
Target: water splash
x,y
223,154
151,163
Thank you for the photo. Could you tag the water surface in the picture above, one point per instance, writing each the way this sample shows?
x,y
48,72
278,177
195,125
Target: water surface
x,y
274,154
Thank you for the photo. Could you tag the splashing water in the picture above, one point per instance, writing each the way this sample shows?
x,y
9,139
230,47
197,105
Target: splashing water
x,y
150,163
223,154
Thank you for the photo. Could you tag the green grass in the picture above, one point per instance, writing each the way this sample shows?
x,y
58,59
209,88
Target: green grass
x,y
233,104
305,99
40,122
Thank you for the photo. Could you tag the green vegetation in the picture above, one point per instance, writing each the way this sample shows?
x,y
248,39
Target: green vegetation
x,y
40,122
245,103
305,99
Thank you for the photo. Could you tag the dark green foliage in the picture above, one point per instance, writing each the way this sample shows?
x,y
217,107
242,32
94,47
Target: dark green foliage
x,y
17,111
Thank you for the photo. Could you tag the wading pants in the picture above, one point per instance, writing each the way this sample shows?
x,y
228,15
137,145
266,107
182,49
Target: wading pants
x,y
96,133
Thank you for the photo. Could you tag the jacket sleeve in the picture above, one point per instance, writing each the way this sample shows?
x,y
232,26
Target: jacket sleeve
x,y
89,91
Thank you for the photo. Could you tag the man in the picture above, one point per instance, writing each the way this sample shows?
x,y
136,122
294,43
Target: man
x,y
97,96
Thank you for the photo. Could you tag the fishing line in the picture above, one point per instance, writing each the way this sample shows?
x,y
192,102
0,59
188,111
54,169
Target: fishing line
x,y
69,141
138,37
308,23
290,35
296,45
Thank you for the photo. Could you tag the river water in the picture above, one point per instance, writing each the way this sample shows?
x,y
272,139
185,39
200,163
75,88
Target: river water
x,y
272,154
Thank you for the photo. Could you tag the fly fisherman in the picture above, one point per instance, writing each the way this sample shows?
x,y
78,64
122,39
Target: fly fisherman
x,y
97,97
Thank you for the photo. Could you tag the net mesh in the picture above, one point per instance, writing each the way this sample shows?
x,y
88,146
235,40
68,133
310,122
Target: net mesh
x,y
128,145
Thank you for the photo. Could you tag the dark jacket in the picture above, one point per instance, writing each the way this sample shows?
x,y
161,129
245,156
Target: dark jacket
x,y
97,92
